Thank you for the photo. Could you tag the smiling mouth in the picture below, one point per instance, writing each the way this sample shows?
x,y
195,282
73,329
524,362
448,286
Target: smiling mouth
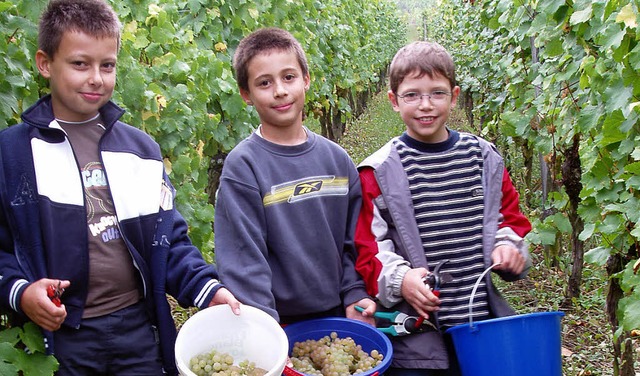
x,y
282,107
426,118
92,96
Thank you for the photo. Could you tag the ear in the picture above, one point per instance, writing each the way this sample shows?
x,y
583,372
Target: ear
x,y
245,96
307,81
393,98
454,95
43,63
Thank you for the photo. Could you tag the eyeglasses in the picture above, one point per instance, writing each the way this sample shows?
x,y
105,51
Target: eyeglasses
x,y
434,97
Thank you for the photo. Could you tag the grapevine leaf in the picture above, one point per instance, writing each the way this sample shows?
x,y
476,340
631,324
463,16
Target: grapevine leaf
x,y
561,222
629,307
587,231
37,364
611,128
7,369
634,57
32,337
10,335
630,278
542,235
8,353
619,96
627,16
581,16
598,255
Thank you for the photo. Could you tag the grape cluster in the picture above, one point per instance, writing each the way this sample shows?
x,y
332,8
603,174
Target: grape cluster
x,y
216,363
332,356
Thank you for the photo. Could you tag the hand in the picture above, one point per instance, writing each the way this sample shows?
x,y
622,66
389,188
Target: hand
x,y
38,306
509,258
365,316
416,293
224,296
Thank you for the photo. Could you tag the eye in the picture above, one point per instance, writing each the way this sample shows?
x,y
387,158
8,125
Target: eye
x,y
289,77
410,95
108,67
263,83
439,94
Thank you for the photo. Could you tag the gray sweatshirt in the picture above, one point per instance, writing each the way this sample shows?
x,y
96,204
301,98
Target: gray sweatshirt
x,y
284,225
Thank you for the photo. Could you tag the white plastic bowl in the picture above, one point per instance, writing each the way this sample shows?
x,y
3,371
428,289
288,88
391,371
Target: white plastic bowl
x,y
254,336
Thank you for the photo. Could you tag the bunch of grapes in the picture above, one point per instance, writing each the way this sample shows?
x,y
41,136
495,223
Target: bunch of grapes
x,y
216,363
332,356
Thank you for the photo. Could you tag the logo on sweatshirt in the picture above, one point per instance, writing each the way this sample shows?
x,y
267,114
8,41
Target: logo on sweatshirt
x,y
303,189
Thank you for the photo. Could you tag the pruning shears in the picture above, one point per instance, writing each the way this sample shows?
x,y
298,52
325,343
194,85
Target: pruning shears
x,y
434,282
401,323
54,293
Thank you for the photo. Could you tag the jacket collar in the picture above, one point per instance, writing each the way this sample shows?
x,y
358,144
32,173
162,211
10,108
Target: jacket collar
x,y
40,114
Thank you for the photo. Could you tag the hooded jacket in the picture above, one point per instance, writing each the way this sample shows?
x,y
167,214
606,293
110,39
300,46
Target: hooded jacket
x,y
389,243
43,228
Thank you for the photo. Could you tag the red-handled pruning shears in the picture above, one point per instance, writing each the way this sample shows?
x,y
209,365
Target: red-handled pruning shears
x,y
434,282
54,293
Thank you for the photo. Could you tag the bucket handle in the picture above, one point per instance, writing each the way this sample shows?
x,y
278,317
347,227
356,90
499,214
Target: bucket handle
x,y
473,292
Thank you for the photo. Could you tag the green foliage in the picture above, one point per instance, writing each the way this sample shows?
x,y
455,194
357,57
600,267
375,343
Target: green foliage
x,y
542,72
176,82
16,360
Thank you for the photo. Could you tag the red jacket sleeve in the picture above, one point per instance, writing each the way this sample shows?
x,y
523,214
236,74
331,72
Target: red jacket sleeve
x,y
510,208
367,264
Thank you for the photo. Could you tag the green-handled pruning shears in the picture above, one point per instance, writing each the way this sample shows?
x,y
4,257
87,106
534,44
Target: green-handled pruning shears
x,y
401,323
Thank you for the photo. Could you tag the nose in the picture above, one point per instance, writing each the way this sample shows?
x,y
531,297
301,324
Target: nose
x,y
95,78
425,101
279,90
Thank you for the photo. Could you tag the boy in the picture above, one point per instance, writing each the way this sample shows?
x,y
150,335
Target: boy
x,y
288,199
434,196
87,211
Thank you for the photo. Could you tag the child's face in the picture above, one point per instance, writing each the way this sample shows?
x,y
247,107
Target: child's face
x,y
426,118
277,88
81,74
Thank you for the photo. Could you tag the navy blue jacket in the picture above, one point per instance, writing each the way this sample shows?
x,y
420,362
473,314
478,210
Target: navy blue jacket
x,y
43,228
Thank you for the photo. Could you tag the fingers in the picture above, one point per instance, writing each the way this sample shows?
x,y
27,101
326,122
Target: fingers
x,y
416,293
509,259
366,315
224,296
37,305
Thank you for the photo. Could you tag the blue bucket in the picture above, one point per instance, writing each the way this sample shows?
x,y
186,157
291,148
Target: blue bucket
x,y
363,334
520,345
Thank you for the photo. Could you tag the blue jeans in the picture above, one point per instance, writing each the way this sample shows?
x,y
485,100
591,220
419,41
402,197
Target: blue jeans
x,y
120,343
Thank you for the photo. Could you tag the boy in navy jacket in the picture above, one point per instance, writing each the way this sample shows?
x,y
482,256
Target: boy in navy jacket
x,y
87,209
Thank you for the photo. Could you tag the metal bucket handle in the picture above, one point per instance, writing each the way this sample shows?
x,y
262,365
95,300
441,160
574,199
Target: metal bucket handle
x,y
473,292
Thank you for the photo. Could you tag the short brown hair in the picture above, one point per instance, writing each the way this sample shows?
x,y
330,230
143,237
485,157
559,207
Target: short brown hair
x,y
93,17
422,58
263,40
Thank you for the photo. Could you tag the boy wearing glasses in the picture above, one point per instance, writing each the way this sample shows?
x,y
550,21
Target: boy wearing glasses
x,y
435,197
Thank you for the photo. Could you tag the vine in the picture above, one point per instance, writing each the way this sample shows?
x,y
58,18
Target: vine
x,y
176,82
561,79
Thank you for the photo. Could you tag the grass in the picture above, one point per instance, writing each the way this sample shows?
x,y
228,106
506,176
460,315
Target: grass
x,y
377,125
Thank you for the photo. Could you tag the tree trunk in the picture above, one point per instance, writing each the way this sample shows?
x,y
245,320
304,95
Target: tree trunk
x,y
623,359
215,170
337,125
571,174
